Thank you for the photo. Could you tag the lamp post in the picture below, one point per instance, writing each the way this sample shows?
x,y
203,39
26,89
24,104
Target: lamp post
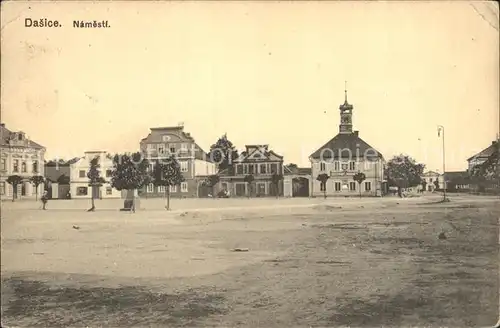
x,y
440,129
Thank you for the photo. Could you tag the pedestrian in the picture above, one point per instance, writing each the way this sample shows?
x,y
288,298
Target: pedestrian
x,y
45,198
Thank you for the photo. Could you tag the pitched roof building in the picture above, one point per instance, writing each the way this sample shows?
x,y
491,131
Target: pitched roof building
x,y
342,157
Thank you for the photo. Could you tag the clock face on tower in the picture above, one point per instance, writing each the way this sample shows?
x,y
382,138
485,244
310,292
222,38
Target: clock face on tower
x,y
345,119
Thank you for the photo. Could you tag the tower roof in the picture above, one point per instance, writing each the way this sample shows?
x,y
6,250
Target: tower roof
x,y
345,105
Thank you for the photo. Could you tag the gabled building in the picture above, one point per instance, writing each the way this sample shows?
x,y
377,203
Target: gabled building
x,y
19,155
483,155
297,181
430,178
260,162
194,162
342,157
79,182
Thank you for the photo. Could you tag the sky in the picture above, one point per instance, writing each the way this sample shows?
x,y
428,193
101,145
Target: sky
x,y
262,72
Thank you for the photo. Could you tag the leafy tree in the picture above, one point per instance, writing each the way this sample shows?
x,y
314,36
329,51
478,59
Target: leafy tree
x,y
424,184
249,179
323,178
130,172
436,184
223,153
292,167
36,180
275,181
95,179
14,180
211,181
359,178
403,171
166,173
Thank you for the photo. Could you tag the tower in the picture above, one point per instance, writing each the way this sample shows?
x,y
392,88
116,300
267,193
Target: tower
x,y
345,115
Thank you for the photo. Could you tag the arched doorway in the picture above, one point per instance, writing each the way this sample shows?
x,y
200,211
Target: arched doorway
x,y
300,187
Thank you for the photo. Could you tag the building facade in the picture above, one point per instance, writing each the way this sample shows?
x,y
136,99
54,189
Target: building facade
x,y
195,163
260,162
23,157
79,182
430,178
483,155
342,157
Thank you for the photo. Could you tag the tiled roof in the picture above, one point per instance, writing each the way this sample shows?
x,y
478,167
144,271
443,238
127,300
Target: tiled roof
x,y
430,174
6,135
344,145
297,171
485,153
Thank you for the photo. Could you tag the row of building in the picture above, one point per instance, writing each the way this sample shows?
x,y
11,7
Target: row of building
x,y
340,158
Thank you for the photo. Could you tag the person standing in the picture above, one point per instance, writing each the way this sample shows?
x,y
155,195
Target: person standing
x,y
45,198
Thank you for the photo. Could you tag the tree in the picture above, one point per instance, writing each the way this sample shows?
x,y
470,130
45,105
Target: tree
x,y
323,178
36,180
402,171
359,178
211,181
249,179
424,184
166,173
275,181
63,179
130,172
223,153
436,184
14,181
95,179
487,173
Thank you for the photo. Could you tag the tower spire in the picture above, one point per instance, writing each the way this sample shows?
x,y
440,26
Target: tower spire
x,y
345,91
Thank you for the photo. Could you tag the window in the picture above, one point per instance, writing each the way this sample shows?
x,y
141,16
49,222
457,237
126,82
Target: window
x,y
184,186
184,147
3,164
20,137
430,180
173,188
352,165
109,191
184,166
338,186
368,186
23,167
161,189
35,167
172,149
151,167
239,169
150,146
352,186
150,187
336,166
250,169
82,174
322,166
263,168
15,166
322,186
165,138
274,168
81,191
2,188
109,173
160,149
245,169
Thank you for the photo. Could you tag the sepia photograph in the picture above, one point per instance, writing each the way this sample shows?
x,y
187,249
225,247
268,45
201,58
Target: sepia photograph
x,y
250,164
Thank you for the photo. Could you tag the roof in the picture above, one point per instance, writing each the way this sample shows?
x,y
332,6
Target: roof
x,y
297,170
258,153
487,152
6,135
346,145
430,174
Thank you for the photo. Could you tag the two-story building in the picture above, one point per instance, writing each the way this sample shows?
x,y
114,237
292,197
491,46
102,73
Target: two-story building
x,y
342,157
483,155
79,182
195,163
19,156
260,162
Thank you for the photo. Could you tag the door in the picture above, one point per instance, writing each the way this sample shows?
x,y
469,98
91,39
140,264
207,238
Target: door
x,y
261,189
240,189
95,192
23,189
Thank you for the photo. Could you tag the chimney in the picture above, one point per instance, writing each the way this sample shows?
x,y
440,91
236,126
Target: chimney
x,y
2,125
356,133
493,143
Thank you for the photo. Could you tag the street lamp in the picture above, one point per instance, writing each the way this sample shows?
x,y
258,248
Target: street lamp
x,y
440,129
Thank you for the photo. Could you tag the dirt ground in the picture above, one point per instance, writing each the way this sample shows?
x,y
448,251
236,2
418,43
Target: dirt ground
x,y
310,262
